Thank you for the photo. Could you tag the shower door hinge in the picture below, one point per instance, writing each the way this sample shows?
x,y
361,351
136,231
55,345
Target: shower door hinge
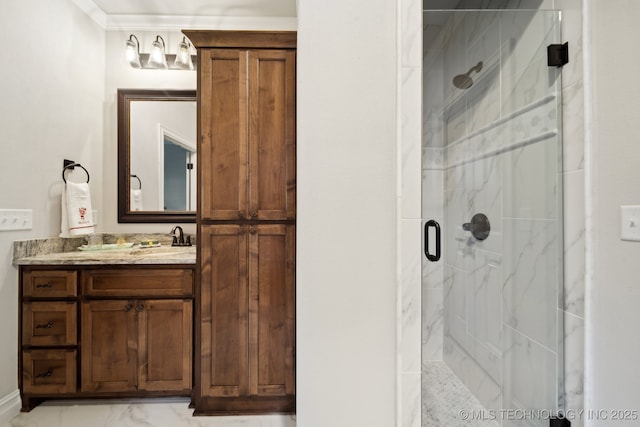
x,y
559,422
557,54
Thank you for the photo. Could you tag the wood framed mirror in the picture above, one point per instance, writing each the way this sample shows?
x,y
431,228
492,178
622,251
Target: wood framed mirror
x,y
157,156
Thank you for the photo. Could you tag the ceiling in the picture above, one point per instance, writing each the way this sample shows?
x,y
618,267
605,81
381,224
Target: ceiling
x,y
239,8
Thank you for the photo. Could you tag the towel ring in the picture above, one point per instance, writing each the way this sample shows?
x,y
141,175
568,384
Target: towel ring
x,y
71,166
138,178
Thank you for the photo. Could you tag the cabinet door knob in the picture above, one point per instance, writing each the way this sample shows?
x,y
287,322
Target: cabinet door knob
x,y
139,308
127,307
242,214
253,230
253,214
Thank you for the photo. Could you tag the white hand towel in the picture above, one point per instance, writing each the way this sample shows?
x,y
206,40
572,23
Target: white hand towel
x,y
64,222
79,212
135,200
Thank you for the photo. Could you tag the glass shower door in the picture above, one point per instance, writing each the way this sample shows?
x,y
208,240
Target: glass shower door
x,y
492,180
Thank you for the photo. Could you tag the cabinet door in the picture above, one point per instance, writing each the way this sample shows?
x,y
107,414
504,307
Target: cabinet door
x,y
223,149
164,344
49,283
272,143
134,282
271,309
49,371
109,346
47,323
224,311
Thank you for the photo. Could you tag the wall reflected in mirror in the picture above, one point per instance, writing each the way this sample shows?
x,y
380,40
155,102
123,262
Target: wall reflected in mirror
x,y
156,155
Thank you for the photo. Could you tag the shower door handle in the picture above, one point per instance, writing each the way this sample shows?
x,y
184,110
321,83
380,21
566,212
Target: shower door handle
x,y
427,225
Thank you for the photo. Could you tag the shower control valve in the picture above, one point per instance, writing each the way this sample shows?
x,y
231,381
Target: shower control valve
x,y
479,226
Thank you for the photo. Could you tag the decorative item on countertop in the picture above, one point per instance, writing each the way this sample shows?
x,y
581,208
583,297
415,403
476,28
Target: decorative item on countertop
x,y
76,205
135,196
150,244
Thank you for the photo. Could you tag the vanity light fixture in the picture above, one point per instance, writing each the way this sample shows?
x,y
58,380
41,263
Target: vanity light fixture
x,y
132,51
183,57
158,59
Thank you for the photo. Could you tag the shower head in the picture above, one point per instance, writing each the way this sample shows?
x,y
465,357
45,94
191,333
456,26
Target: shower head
x,y
464,81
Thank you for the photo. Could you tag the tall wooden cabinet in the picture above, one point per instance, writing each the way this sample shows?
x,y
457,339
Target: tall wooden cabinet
x,y
245,308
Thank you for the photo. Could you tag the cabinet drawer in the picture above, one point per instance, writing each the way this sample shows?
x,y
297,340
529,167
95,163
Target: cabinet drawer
x,y
49,323
49,371
49,284
138,282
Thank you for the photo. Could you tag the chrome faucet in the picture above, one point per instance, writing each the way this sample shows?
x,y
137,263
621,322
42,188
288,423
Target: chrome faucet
x,y
179,240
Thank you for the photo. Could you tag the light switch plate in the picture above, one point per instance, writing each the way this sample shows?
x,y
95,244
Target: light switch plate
x,y
630,223
16,219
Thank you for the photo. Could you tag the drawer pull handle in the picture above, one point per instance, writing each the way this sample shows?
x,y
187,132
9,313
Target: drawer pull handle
x,y
48,325
127,307
49,284
45,374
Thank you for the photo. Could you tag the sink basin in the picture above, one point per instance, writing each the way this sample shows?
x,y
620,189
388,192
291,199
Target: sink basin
x,y
162,251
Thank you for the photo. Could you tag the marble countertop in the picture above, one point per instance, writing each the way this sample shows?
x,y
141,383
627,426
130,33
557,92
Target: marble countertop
x,y
134,255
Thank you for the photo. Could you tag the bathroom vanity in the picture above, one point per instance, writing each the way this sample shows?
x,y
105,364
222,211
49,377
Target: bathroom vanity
x,y
110,324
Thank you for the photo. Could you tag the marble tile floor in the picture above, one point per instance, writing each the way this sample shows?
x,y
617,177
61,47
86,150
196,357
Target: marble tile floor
x,y
444,397
165,412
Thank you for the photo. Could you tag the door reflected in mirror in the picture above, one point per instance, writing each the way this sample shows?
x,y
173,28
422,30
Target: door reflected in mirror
x,y
156,155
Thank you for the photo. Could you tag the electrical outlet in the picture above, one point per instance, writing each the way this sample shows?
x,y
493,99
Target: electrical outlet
x,y
630,223
16,219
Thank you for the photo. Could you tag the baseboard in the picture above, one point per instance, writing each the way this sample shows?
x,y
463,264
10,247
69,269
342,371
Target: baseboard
x,y
9,406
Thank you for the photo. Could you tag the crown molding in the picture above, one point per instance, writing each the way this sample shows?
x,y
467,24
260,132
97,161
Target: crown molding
x,y
177,23
182,22
93,11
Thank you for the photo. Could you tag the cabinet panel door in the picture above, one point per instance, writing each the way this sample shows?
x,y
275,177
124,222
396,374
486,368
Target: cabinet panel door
x,y
49,284
164,344
224,321
49,371
132,282
271,309
49,323
272,130
109,347
222,151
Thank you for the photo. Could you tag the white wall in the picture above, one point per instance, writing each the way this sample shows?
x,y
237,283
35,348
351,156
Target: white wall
x,y
52,89
613,291
346,290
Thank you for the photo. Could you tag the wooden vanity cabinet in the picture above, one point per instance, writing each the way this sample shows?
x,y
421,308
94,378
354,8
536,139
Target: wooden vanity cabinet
x,y
105,331
245,321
